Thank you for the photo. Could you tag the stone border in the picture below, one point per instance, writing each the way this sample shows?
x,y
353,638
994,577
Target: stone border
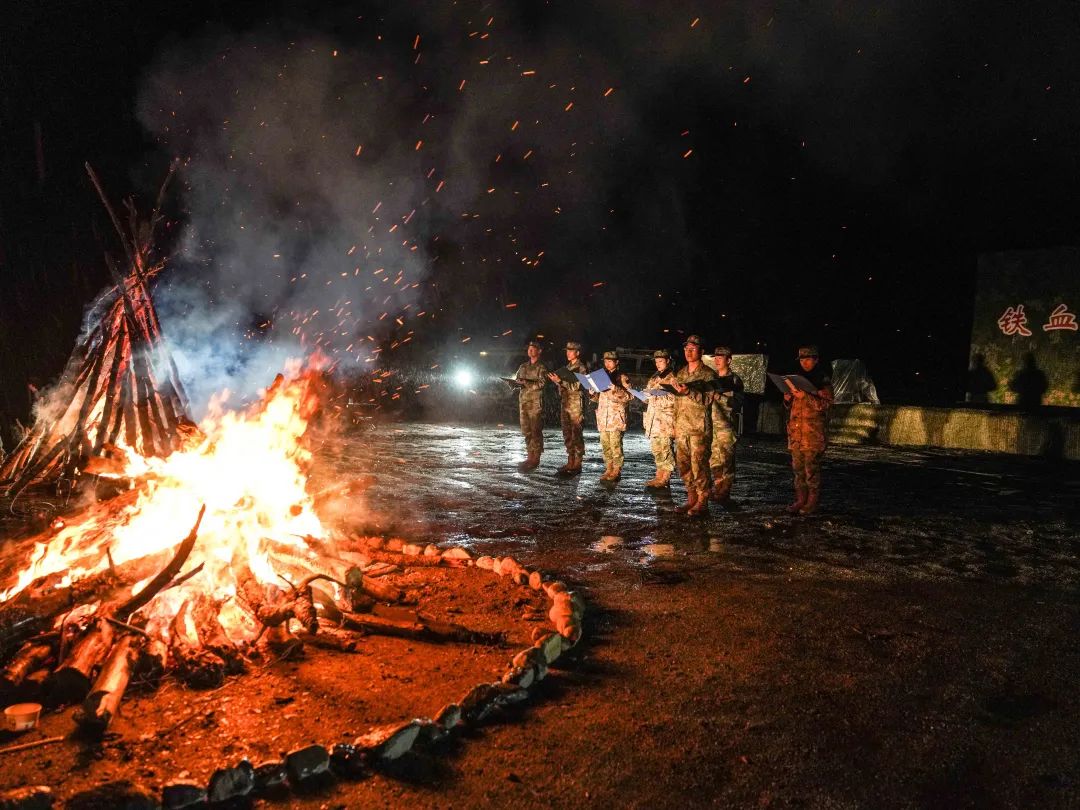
x,y
315,764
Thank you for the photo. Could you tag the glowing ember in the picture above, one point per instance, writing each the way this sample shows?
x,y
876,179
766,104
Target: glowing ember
x,y
248,468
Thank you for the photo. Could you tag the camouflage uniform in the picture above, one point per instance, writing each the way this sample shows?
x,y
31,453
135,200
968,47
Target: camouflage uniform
x,y
806,429
693,431
571,412
531,405
725,409
611,410
659,422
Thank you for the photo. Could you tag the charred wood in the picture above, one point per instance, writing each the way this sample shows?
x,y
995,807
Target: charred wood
x,y
72,680
30,658
102,703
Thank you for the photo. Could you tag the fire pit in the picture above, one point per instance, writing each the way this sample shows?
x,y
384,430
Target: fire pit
x,y
115,603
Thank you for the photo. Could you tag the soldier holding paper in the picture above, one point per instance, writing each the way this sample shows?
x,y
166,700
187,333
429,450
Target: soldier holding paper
x,y
693,429
659,420
570,412
611,410
806,427
726,406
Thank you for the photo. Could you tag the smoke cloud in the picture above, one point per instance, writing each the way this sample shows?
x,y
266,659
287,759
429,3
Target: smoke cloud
x,y
352,182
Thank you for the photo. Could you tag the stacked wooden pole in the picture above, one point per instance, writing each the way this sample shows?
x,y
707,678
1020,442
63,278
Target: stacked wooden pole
x,y
120,383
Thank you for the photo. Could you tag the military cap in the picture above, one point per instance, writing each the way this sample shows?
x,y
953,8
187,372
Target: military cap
x,y
611,356
724,350
807,351
535,343
573,346
693,340
662,353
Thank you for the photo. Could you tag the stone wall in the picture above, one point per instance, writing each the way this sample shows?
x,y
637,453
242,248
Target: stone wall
x,y
1054,433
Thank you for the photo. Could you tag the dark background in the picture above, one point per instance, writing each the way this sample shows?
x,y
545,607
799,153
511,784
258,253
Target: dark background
x,y
844,176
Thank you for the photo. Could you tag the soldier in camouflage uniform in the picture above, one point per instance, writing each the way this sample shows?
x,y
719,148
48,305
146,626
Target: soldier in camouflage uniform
x,y
659,421
806,426
532,376
693,429
725,408
570,414
611,409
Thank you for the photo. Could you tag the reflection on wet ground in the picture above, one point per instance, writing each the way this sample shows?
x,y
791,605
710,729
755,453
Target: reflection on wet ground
x,y
886,512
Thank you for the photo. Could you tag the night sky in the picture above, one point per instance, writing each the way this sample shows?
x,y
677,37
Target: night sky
x,y
763,174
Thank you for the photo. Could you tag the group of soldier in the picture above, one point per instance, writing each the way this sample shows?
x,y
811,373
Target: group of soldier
x,y
694,410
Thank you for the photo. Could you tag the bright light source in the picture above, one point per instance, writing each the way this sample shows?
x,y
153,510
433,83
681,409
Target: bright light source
x,y
463,378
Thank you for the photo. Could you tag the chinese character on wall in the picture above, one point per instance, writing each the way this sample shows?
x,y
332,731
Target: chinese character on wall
x,y
1014,322
1060,318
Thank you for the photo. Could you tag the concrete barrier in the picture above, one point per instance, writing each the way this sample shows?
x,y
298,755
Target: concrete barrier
x,y
1054,433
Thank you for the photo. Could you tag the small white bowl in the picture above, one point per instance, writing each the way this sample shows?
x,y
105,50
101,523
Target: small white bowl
x,y
22,716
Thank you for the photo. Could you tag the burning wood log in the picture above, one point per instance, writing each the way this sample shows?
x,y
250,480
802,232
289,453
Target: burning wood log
x,y
166,575
291,562
73,678
101,704
197,667
204,615
151,657
30,657
419,629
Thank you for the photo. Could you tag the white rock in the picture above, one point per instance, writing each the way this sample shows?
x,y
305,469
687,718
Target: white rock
x,y
551,647
390,742
520,676
485,562
449,716
555,587
457,553
431,550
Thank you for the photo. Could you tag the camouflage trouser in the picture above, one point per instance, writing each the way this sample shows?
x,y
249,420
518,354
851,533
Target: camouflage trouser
x,y
806,465
722,456
692,453
571,431
662,453
611,445
532,428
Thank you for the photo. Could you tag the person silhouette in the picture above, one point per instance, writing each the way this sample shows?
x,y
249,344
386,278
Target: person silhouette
x,y
1029,384
980,380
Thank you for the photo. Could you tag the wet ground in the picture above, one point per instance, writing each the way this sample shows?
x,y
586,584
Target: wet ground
x,y
914,645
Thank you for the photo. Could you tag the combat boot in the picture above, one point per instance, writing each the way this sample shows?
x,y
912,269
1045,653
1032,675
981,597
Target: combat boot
x,y
660,480
691,501
616,473
606,476
721,492
800,501
811,504
568,467
530,463
700,507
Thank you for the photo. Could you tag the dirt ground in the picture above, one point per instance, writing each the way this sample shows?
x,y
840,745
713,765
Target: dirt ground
x,y
914,645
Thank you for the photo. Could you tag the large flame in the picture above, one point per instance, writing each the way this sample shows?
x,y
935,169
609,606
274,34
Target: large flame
x,y
248,468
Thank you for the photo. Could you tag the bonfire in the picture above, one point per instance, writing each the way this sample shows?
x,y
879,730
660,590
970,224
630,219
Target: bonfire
x,y
117,591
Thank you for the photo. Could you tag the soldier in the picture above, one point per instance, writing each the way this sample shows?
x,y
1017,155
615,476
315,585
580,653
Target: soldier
x,y
570,414
807,421
693,429
659,421
531,378
725,409
611,409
